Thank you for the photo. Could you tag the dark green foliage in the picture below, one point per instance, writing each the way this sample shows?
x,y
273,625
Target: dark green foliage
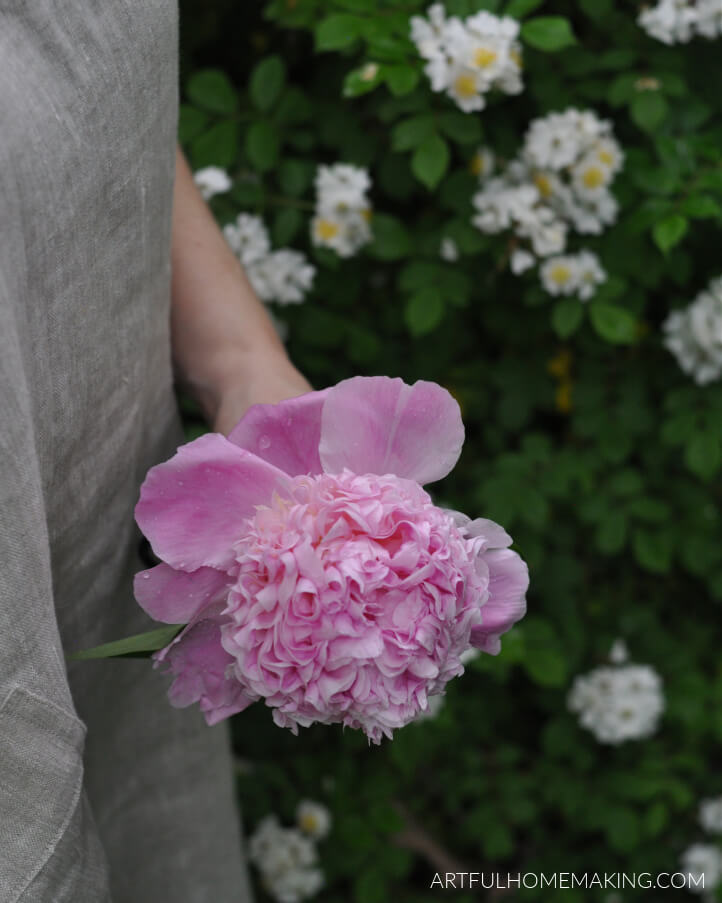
x,y
583,437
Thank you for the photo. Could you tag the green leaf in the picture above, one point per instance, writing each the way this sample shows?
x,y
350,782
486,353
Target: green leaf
x,y
544,658
424,310
676,430
370,885
670,231
615,324
622,829
612,533
567,316
649,509
294,107
362,80
139,646
596,9
430,160
191,123
621,90
391,240
262,145
417,274
320,328
702,454
410,133
653,550
497,844
517,9
359,6
672,84
363,346
217,146
626,483
286,224
548,33
616,58
267,81
247,191
337,31
468,239
401,79
656,818
648,110
295,176
211,90
455,286
701,206
460,127
557,736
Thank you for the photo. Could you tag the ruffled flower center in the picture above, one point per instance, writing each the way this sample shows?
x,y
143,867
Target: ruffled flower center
x,y
353,600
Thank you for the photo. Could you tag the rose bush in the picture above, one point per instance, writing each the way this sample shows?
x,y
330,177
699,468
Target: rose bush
x,y
586,437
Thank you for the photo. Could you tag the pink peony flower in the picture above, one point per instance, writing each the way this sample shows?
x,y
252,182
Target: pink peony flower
x,y
311,567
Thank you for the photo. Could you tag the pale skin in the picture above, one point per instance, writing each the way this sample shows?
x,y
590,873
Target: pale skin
x,y
226,351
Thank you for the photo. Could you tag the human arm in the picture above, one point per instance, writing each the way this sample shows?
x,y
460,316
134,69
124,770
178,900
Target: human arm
x,y
225,348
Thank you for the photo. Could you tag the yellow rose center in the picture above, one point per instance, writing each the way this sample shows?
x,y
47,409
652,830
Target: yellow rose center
x,y
563,397
484,57
465,86
308,823
366,214
560,364
543,183
606,157
515,57
593,177
326,229
476,164
560,274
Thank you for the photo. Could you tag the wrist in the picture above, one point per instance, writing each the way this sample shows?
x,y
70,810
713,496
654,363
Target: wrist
x,y
270,382
236,367
232,383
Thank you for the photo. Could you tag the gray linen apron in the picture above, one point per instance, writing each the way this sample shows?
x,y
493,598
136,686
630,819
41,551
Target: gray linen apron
x,y
106,792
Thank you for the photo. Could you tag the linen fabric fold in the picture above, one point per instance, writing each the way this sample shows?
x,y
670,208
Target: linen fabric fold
x,y
105,791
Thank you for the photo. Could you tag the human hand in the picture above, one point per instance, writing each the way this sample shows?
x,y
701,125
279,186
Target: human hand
x,y
267,381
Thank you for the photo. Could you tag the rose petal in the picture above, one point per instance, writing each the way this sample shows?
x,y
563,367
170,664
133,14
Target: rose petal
x,y
199,662
381,425
284,434
508,583
192,507
174,597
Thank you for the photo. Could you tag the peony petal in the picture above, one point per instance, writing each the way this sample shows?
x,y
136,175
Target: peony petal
x,y
284,434
192,507
495,536
175,597
381,425
198,663
508,583
367,646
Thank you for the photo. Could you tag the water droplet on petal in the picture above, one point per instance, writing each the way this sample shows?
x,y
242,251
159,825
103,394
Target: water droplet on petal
x,y
264,442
